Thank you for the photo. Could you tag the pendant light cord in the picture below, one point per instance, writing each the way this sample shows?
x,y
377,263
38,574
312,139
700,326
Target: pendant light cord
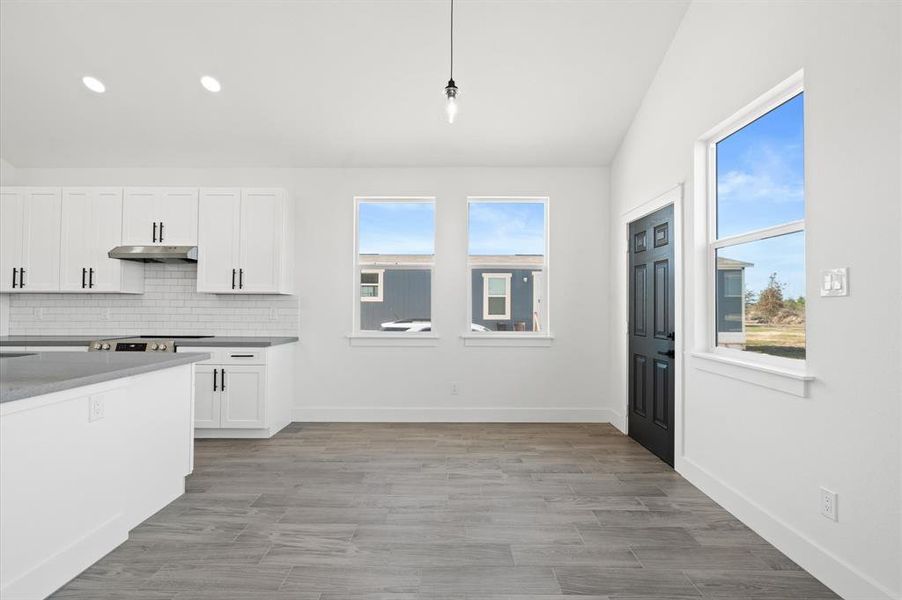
x,y
452,40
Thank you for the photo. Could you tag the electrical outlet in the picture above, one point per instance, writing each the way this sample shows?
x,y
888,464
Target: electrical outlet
x,y
455,389
95,408
273,314
105,314
39,313
828,504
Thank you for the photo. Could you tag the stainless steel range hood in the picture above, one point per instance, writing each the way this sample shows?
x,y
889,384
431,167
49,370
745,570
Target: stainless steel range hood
x,y
156,254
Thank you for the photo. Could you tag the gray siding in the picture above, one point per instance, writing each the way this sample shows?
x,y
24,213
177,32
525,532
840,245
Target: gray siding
x,y
405,295
521,299
729,309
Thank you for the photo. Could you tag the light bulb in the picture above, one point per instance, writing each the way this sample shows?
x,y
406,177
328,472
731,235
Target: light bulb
x,y
451,108
451,94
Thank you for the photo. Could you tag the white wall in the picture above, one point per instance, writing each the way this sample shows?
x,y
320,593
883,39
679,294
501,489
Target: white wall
x,y
761,453
7,177
336,381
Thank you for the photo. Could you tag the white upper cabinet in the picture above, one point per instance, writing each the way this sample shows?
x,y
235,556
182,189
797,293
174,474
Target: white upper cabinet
x,y
217,240
91,227
29,248
160,217
245,241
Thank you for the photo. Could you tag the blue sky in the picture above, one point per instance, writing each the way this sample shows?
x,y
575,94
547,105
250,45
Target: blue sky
x,y
760,182
495,228
397,228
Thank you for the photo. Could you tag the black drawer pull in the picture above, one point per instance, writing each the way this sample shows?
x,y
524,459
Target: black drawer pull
x,y
241,355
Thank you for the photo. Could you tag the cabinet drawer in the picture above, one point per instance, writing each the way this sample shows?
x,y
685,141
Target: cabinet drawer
x,y
230,356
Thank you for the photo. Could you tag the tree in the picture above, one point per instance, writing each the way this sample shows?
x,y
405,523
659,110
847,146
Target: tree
x,y
770,300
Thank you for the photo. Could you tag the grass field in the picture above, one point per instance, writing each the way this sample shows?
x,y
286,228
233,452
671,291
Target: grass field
x,y
776,340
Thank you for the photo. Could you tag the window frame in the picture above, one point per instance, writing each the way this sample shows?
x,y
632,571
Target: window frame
x,y
486,315
509,338
769,101
359,337
381,278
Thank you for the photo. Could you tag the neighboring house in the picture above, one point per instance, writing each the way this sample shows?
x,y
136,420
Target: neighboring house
x,y
731,301
505,298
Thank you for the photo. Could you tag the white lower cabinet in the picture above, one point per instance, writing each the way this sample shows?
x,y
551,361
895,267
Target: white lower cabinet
x,y
241,392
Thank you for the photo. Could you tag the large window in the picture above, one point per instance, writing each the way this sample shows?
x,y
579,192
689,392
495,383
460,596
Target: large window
x,y
757,246
395,247
508,265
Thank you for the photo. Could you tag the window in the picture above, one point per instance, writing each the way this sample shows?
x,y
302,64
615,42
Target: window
x,y
757,243
508,265
394,258
496,303
371,285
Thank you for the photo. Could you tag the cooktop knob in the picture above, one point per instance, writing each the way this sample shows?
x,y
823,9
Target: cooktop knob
x,y
105,347
95,346
162,348
153,346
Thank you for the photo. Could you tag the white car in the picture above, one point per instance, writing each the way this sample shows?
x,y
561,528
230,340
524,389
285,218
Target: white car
x,y
413,325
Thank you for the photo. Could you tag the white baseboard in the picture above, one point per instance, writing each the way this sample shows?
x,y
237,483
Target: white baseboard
x,y
46,577
322,414
831,570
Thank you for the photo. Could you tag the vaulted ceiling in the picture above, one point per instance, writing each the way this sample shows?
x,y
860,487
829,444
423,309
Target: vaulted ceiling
x,y
341,83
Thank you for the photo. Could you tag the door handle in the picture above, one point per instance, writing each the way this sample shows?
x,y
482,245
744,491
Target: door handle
x,y
154,232
84,272
214,378
233,278
669,353
161,231
240,279
91,277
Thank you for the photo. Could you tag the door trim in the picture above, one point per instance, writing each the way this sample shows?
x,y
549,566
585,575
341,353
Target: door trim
x,y
672,196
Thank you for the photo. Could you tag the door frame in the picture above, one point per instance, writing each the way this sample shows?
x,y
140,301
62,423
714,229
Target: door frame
x,y
673,196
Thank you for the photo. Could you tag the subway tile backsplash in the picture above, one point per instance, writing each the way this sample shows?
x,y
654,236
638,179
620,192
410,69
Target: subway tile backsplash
x,y
170,305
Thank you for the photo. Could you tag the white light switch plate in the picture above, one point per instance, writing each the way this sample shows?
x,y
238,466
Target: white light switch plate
x,y
835,282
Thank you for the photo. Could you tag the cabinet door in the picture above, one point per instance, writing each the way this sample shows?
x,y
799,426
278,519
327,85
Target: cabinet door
x,y
12,229
140,220
217,240
106,234
75,238
178,217
243,397
206,399
261,240
41,247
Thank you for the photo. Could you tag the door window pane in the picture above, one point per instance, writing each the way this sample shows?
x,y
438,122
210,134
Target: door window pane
x,y
760,172
767,313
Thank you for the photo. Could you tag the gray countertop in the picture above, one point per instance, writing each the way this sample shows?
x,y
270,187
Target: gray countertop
x,y
218,341
47,372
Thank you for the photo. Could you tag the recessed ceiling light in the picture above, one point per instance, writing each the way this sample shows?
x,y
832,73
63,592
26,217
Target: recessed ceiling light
x,y
93,84
210,83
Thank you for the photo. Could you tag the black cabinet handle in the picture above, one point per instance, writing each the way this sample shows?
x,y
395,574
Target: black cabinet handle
x,y
154,232
233,278
669,353
21,277
91,277
241,355
240,279
84,272
222,384
161,231
215,371
14,277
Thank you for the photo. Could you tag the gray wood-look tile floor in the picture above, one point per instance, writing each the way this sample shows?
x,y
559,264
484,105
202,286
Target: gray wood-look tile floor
x,y
442,511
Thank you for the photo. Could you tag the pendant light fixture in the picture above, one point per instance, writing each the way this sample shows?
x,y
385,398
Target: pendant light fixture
x,y
451,88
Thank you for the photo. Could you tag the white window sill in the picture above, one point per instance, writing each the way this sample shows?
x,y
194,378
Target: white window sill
x,y
508,340
782,379
400,339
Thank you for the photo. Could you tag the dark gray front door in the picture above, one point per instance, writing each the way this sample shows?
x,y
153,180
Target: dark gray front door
x,y
651,354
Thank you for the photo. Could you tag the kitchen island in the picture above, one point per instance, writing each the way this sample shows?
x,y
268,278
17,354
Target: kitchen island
x,y
91,445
